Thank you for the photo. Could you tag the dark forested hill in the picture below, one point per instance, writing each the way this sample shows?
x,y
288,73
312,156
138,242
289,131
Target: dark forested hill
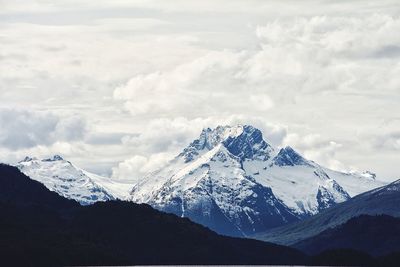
x,y
375,235
17,189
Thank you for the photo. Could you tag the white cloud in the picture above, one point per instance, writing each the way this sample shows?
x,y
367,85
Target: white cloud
x,y
317,148
22,128
70,128
130,169
205,86
387,141
297,58
172,135
136,167
149,75
165,135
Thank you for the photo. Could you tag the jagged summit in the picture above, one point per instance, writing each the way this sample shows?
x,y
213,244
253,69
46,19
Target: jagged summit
x,y
289,157
242,141
28,159
54,158
248,145
369,174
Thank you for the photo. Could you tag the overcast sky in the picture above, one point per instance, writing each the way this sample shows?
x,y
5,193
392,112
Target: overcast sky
x,y
119,87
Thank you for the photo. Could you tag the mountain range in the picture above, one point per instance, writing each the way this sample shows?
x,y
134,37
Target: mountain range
x,y
381,201
229,179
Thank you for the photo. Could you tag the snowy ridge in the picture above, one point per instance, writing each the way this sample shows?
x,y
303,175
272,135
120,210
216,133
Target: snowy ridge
x,y
248,186
215,187
355,183
69,181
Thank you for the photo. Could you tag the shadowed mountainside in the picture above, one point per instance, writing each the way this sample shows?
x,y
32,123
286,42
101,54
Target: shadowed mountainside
x,y
375,235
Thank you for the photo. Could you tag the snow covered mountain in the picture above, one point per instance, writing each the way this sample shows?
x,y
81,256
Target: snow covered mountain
x,y
379,201
70,181
231,180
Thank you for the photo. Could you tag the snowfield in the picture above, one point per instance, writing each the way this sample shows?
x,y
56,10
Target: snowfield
x,y
70,181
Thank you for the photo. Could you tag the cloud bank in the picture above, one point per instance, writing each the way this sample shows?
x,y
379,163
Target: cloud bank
x,y
22,128
120,87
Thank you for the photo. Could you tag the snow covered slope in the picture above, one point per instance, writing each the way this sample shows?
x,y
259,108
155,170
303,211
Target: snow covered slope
x,y
69,181
234,182
383,200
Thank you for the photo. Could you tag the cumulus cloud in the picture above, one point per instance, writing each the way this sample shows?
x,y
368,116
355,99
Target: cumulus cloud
x,y
313,55
296,58
21,128
324,71
387,141
134,168
317,148
304,69
165,134
205,86
172,135
70,129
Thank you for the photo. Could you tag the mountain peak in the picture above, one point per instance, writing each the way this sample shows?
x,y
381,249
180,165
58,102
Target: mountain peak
x,y
212,137
54,158
243,141
287,156
249,144
69,181
28,159
369,174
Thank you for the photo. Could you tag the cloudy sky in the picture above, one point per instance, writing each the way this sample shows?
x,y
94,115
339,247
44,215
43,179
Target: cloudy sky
x,y
119,87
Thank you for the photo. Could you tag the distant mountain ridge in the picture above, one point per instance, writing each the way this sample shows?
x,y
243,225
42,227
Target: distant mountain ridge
x,y
381,201
70,181
376,235
231,180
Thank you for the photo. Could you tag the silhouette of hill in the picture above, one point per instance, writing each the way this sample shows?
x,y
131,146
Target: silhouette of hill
x,y
375,235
